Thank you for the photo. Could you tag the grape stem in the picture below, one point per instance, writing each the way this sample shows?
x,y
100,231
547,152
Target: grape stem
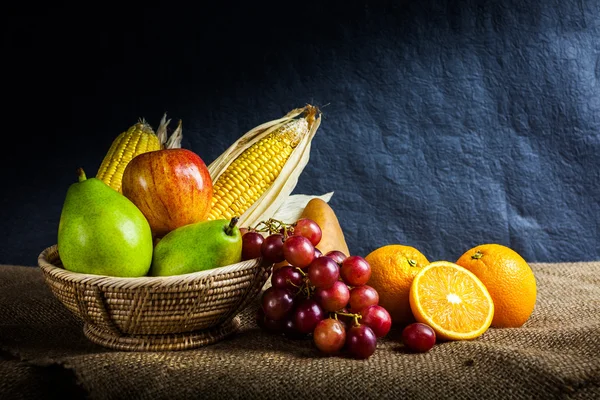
x,y
308,291
300,290
355,316
289,282
273,225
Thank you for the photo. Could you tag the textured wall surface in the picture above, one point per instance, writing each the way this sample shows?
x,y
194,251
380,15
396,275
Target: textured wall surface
x,y
446,124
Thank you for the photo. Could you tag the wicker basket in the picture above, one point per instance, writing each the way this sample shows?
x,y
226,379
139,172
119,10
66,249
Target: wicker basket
x,y
156,313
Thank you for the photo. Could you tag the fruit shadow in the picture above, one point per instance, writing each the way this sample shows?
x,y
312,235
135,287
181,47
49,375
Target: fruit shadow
x,y
257,340
47,351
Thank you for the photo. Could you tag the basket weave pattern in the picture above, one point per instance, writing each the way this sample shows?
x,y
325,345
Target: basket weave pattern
x,y
146,309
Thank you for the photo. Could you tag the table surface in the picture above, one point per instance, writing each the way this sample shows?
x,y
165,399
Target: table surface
x,y
556,354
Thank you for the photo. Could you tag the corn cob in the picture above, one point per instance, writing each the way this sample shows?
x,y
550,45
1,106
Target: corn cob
x,y
138,139
254,171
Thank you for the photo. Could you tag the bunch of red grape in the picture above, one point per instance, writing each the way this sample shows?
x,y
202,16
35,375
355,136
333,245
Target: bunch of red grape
x,y
323,295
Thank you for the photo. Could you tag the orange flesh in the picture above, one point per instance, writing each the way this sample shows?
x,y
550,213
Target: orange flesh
x,y
457,304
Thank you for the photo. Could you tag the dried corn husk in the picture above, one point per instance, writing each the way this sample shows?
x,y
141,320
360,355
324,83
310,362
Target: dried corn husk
x,y
272,199
291,209
174,141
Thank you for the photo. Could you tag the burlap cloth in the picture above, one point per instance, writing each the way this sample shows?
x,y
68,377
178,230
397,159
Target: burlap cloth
x,y
556,354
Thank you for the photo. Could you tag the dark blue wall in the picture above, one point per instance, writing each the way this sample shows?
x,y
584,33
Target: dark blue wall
x,y
448,124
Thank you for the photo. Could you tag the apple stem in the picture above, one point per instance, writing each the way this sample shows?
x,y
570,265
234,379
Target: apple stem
x,y
229,228
81,175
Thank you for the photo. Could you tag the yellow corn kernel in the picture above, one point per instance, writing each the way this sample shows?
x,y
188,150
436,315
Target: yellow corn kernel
x,y
138,139
255,170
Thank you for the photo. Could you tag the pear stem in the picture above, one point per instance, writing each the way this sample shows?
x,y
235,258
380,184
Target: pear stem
x,y
229,228
81,175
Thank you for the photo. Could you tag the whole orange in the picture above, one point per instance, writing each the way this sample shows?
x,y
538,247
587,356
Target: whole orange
x,y
393,268
509,280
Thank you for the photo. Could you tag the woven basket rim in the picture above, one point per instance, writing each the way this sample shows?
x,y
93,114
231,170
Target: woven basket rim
x,y
134,282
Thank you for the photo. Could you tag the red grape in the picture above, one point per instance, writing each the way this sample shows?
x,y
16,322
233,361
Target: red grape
x,y
287,277
307,315
289,329
251,245
378,319
333,282
272,326
355,271
329,336
333,298
298,251
267,324
418,337
336,256
276,303
361,341
323,272
272,248
362,297
309,229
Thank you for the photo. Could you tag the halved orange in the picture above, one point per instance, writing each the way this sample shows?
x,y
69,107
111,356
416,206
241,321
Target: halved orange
x,y
452,300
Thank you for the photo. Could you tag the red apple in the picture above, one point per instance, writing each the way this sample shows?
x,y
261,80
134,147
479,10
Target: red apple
x,y
172,188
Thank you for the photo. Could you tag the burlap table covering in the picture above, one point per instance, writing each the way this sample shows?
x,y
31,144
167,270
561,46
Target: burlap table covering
x,y
555,355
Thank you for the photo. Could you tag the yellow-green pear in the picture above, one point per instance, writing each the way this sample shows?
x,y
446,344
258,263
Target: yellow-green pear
x,y
102,232
198,247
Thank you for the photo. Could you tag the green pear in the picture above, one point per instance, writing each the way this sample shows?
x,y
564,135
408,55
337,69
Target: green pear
x,y
102,232
197,247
